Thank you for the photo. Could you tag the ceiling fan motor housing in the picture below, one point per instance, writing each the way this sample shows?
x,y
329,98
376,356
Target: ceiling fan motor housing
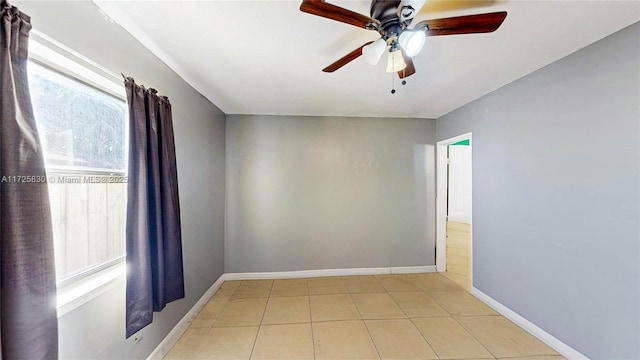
x,y
386,12
382,10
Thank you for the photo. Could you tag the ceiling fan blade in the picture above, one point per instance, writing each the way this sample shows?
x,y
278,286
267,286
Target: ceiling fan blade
x,y
409,69
470,24
337,13
346,59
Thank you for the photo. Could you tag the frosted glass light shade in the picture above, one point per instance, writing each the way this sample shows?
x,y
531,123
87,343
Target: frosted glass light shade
x,y
412,42
395,62
373,52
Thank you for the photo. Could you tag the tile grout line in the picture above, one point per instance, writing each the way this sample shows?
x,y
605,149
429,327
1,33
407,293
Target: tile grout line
x,y
425,339
208,329
451,316
313,339
264,312
405,278
478,340
372,341
398,305
483,345
411,320
408,318
364,322
225,304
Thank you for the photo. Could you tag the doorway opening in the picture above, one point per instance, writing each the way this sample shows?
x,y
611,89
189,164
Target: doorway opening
x,y
454,242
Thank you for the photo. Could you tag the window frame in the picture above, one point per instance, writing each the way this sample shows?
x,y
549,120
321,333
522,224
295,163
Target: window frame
x,y
77,288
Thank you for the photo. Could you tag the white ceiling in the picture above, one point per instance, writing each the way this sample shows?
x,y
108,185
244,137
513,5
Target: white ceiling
x,y
265,57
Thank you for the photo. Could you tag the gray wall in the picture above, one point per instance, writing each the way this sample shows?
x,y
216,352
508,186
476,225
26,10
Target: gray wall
x,y
556,195
328,192
96,330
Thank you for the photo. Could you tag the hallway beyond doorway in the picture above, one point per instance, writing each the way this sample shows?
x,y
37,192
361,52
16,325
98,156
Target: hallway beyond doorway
x,y
459,254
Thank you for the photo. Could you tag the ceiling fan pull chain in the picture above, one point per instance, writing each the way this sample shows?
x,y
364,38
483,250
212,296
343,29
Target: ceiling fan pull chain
x,y
393,87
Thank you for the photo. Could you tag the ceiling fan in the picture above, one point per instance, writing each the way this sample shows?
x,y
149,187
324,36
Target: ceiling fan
x,y
391,19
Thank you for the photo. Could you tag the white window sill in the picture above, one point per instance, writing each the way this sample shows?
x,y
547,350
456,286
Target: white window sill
x,y
80,292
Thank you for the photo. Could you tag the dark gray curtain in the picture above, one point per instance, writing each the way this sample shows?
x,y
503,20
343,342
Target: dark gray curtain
x,y
154,241
28,321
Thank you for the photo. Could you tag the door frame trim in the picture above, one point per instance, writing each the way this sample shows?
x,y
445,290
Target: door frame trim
x,y
441,201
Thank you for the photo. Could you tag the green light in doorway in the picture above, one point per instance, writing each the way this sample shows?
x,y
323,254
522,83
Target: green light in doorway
x,y
462,142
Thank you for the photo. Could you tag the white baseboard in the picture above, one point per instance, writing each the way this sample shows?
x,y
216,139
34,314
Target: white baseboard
x,y
329,272
174,335
564,349
413,269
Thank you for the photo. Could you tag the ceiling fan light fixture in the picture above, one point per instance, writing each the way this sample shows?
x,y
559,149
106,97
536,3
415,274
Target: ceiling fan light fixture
x,y
408,9
395,62
412,42
373,52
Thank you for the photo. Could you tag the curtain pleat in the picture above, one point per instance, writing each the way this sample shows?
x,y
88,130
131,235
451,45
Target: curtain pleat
x,y
28,321
154,241
173,277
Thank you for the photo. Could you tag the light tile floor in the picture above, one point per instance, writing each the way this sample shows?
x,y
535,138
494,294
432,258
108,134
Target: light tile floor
x,y
414,316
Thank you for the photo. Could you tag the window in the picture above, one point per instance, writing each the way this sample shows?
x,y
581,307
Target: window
x,y
82,129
